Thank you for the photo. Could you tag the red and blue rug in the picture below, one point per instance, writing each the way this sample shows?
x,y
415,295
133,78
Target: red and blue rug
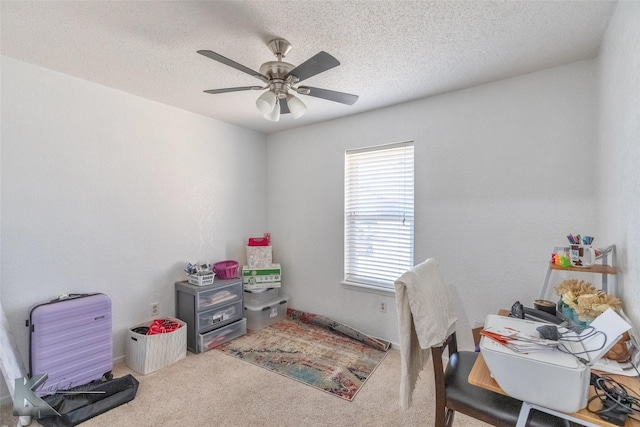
x,y
313,350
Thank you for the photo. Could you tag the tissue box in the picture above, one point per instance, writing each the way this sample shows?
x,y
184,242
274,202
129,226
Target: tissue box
x,y
262,285
259,256
259,278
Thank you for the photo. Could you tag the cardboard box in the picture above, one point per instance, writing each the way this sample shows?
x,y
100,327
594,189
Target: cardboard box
x,y
259,256
148,353
254,276
262,285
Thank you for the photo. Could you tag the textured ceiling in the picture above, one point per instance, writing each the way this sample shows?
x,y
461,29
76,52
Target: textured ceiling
x,y
390,51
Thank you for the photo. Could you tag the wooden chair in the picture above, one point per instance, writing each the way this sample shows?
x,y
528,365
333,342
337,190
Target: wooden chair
x,y
455,394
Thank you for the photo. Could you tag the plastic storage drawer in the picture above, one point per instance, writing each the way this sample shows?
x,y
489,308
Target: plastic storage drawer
x,y
219,316
205,308
260,296
262,315
222,335
221,295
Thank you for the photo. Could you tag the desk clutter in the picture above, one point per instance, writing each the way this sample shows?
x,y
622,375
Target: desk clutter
x,y
579,253
575,354
582,302
523,362
617,402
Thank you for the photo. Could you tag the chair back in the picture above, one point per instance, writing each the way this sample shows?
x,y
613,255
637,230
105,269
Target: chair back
x,y
444,416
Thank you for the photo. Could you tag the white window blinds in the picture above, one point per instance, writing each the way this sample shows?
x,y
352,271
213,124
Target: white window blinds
x,y
378,214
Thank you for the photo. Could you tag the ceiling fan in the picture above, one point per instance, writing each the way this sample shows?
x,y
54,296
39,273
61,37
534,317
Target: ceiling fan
x,y
281,79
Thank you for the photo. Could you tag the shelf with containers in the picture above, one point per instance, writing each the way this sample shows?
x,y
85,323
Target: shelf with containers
x,y
605,268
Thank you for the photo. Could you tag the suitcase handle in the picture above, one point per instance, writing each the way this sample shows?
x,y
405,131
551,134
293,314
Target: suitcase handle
x,y
68,296
62,297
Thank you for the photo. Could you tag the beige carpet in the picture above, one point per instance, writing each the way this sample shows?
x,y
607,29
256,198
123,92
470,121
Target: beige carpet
x,y
215,389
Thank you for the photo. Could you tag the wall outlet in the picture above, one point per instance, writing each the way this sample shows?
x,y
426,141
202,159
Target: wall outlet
x,y
155,308
383,307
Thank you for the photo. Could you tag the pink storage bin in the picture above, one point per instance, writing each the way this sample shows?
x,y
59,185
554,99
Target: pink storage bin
x,y
226,269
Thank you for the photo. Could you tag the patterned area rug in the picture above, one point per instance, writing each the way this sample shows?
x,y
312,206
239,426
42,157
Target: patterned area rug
x,y
313,350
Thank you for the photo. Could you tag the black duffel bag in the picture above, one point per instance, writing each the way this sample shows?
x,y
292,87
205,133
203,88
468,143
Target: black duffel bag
x,y
79,407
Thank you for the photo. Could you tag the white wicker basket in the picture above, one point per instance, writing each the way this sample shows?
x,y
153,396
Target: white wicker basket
x,y
148,353
205,280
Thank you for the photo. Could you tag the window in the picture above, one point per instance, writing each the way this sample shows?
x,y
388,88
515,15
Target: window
x,y
378,242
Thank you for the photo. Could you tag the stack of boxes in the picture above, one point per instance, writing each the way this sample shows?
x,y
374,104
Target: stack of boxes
x,y
262,280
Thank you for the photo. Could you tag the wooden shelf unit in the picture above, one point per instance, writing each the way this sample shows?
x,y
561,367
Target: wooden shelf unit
x,y
598,268
604,268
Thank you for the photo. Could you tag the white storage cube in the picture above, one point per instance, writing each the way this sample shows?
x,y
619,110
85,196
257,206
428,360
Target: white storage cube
x,y
148,353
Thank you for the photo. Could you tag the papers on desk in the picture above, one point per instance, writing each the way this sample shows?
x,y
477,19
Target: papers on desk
x,y
612,326
588,345
613,367
518,341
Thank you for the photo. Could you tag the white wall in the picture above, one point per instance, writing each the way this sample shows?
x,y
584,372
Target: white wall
x,y
502,176
619,148
106,192
103,191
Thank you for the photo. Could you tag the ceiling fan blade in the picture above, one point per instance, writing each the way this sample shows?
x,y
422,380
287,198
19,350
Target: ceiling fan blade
x,y
331,95
318,63
233,64
233,89
284,107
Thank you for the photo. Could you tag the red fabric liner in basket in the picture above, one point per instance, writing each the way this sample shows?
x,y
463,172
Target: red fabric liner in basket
x,y
226,269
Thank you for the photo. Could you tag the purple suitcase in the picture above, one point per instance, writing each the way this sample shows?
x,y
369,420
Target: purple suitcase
x,y
71,341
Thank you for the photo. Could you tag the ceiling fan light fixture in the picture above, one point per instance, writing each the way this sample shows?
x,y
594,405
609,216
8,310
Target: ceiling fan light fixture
x,y
273,115
266,102
296,106
281,78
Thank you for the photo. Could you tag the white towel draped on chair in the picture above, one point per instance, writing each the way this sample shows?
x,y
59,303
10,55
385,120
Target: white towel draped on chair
x,y
425,317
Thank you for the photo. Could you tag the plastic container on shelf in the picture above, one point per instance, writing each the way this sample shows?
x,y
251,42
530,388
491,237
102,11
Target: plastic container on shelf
x,y
226,269
259,296
201,280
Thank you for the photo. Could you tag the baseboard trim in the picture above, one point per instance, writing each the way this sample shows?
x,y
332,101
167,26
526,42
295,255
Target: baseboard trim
x,y
6,400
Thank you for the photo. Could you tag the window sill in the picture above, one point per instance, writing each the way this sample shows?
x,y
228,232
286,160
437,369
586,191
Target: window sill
x,y
361,287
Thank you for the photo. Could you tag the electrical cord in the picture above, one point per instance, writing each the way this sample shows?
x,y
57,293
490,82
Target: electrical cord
x,y
626,358
616,402
577,334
